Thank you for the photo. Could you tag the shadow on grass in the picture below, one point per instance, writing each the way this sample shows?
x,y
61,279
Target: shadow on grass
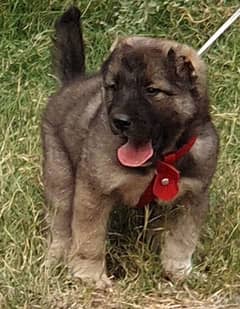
x,y
128,245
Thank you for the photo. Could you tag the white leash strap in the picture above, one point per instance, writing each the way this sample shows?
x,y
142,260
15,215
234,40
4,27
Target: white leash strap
x,y
219,32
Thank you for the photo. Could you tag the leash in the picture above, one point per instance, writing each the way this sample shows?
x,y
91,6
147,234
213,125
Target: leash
x,y
219,32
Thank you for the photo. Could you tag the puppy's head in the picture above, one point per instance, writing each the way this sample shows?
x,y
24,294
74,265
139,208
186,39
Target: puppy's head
x,y
155,91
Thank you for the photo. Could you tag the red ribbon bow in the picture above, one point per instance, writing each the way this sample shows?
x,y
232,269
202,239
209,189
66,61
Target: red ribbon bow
x,y
164,185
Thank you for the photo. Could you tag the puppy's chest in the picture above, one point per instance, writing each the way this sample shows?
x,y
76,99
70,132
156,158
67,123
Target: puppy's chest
x,y
130,187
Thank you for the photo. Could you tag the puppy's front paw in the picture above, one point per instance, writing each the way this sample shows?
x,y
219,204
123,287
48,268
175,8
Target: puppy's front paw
x,y
90,271
104,282
58,249
176,269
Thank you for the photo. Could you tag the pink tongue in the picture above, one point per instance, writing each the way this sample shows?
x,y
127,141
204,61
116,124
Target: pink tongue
x,y
128,155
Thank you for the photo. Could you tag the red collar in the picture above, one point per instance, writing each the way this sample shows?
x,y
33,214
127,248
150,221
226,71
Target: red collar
x,y
164,185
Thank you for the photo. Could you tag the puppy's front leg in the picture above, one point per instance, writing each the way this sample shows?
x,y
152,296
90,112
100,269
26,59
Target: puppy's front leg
x,y
89,224
181,235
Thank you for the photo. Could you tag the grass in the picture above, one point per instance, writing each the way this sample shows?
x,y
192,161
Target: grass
x,y
26,81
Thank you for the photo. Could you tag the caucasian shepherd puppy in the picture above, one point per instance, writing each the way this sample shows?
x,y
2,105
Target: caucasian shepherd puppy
x,y
137,131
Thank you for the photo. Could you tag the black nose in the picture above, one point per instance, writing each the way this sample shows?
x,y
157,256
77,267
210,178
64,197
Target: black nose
x,y
121,122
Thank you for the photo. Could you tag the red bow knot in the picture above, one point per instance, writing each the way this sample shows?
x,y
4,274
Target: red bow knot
x,y
164,185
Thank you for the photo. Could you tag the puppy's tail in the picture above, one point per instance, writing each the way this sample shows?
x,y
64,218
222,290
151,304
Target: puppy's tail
x,y
68,51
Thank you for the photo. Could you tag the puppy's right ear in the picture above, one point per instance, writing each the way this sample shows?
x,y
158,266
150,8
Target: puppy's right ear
x,y
119,48
121,42
115,44
108,65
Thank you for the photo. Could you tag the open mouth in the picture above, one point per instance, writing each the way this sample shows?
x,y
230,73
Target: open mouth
x,y
135,156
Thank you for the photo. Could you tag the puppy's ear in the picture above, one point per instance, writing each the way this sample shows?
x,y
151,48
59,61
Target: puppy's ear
x,y
119,47
107,63
115,44
121,42
181,66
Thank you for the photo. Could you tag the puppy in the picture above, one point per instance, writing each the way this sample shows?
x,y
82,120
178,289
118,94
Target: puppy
x,y
138,130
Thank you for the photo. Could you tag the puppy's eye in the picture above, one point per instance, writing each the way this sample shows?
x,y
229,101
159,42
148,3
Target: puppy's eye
x,y
155,91
152,90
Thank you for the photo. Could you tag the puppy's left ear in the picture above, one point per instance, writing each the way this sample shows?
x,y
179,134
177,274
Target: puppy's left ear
x,y
182,66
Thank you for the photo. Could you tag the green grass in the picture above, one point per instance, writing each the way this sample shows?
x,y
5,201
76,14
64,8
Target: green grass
x,y
26,81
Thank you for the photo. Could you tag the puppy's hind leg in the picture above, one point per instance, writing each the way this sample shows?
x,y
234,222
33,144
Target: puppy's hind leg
x,y
59,185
